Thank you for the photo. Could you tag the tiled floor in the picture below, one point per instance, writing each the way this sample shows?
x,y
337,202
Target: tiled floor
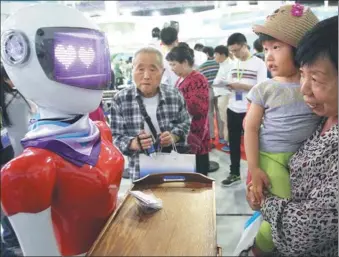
x,y
232,208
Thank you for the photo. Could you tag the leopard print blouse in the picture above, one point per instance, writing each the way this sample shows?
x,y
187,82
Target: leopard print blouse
x,y
307,224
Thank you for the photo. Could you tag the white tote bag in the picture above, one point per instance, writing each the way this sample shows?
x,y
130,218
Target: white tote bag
x,y
167,163
252,227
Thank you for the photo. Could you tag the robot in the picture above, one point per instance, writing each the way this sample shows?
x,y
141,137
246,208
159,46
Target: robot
x,y
60,192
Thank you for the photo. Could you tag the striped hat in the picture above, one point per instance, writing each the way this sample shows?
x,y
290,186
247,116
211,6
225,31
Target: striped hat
x,y
288,24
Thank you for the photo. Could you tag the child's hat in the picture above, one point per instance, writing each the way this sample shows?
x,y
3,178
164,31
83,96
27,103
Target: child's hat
x,y
288,24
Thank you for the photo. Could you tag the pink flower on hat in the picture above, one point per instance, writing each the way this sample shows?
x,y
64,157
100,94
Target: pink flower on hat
x,y
297,10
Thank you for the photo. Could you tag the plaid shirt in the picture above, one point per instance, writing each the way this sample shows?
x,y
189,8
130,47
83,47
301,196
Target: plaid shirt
x,y
127,121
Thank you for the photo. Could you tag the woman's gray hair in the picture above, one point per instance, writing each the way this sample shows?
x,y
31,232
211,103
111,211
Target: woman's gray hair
x,y
150,50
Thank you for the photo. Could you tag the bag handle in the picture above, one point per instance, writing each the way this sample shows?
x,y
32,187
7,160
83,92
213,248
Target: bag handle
x,y
174,147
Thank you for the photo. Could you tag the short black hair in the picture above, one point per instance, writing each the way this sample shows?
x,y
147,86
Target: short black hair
x,y
156,32
168,35
258,46
320,41
221,50
181,54
264,37
183,44
208,50
198,46
236,38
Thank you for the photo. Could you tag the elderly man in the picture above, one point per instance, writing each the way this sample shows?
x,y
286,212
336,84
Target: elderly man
x,y
164,105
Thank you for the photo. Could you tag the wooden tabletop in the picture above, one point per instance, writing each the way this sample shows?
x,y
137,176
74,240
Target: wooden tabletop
x,y
185,226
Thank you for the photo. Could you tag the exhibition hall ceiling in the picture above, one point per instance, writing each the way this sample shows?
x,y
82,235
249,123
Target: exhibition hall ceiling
x,y
152,8
139,5
145,8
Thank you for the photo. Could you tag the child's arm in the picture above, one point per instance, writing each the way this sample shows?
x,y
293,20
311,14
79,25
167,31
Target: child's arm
x,y
249,178
254,117
244,121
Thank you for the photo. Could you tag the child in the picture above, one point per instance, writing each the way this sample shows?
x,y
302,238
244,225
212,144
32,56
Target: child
x,y
278,120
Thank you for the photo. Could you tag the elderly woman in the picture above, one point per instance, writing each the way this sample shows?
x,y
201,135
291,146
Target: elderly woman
x,y
307,223
195,89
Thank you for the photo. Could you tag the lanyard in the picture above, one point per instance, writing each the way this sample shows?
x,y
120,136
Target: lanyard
x,y
240,73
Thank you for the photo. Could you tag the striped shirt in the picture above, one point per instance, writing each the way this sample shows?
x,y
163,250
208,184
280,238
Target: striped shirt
x,y
250,72
210,70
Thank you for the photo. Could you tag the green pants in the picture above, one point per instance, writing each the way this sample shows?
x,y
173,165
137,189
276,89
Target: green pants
x,y
276,167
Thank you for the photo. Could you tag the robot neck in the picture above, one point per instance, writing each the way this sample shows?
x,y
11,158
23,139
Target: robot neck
x,y
53,114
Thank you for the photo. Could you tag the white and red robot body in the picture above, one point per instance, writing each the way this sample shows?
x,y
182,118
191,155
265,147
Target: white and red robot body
x,y
60,192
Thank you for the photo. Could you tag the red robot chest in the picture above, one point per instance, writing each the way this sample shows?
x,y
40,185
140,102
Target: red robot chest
x,y
84,198
81,198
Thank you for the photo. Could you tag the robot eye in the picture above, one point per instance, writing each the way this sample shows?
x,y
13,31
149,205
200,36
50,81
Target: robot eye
x,y
14,47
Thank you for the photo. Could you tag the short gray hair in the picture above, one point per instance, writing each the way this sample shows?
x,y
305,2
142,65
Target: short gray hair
x,y
150,50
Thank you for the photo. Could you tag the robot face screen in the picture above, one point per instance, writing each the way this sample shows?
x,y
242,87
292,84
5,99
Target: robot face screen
x,y
76,57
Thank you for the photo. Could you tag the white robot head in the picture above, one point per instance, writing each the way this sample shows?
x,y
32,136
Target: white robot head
x,y
56,57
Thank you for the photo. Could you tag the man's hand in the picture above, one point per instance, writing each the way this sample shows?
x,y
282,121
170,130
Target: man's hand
x,y
145,140
260,181
166,138
255,206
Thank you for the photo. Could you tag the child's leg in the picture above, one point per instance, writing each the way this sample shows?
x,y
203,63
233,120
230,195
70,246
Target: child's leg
x,y
263,239
275,166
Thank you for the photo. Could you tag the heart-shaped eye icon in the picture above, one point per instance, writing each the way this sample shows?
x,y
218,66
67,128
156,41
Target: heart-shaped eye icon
x,y
86,56
64,55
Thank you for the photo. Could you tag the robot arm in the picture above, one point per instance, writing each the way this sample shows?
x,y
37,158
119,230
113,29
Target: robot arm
x,y
27,187
35,233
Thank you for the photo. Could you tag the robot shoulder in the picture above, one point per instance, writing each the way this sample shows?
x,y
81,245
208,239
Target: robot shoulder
x,y
28,181
105,131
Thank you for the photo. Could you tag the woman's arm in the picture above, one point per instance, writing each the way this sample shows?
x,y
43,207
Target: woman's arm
x,y
302,227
